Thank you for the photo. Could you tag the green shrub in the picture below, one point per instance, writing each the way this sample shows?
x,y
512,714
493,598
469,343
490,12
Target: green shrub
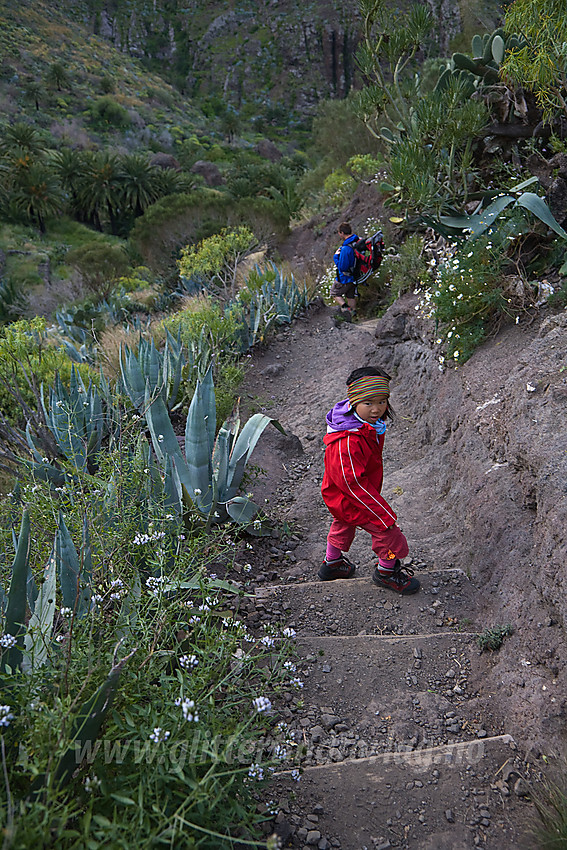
x,y
13,302
216,258
559,298
407,271
106,112
203,316
107,84
364,166
338,133
28,358
339,187
467,299
493,638
100,266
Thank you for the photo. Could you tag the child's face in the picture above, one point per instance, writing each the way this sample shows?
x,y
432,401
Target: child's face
x,y
372,409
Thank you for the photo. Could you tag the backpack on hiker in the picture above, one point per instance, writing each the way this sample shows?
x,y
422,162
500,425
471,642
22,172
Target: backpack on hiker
x,y
368,253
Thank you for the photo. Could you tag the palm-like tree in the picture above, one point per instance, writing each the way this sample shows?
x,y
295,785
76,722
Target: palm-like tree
x,y
69,166
139,183
98,192
38,195
33,90
24,136
57,75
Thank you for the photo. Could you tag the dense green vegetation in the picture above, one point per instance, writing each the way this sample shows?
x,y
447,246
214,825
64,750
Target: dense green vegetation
x,y
139,229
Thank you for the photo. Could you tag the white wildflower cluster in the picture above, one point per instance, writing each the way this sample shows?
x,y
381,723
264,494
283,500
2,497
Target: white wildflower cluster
x,y
289,665
295,775
142,539
5,715
295,682
65,612
246,635
262,704
159,735
325,282
154,584
117,589
91,784
280,752
289,633
188,709
256,772
7,641
247,568
188,662
194,619
268,641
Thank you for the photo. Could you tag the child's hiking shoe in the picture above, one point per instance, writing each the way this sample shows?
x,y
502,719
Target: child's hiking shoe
x,y
343,314
398,579
339,568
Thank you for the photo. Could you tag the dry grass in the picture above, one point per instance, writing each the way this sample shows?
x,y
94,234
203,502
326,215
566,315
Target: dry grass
x,y
110,342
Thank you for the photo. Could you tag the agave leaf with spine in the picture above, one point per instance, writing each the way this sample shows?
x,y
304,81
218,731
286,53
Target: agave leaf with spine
x,y
85,726
75,584
14,620
478,222
40,626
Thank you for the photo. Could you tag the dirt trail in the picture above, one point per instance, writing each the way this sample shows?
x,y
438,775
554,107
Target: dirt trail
x,y
395,744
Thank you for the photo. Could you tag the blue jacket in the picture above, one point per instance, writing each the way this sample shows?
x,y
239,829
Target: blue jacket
x,y
345,260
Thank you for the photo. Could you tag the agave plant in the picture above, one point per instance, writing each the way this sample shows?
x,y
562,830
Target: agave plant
x,y
30,646
484,217
79,419
162,372
279,292
207,475
78,343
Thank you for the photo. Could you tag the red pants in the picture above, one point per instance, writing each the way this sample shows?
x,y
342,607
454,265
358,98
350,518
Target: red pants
x,y
387,543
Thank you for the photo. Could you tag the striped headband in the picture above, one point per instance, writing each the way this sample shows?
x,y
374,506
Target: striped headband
x,y
365,388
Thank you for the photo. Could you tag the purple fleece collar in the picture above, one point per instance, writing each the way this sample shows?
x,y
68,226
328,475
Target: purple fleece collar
x,y
342,418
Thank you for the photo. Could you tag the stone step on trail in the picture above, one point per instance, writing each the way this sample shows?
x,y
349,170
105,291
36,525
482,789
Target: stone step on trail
x,y
363,695
357,606
456,797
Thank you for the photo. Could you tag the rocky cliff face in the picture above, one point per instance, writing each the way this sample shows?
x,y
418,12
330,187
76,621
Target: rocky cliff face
x,y
280,53
494,453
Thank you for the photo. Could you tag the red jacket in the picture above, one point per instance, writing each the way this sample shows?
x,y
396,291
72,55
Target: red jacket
x,y
353,477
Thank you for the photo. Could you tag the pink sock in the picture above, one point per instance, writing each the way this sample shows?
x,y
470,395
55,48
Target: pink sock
x,y
333,554
386,566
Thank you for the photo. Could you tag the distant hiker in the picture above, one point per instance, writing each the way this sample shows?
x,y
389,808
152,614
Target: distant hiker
x,y
344,288
353,480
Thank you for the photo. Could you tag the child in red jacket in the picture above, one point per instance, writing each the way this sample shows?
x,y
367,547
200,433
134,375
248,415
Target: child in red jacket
x,y
353,480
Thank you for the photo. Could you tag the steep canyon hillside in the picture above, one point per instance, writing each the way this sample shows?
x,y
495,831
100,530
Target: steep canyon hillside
x,y
285,53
